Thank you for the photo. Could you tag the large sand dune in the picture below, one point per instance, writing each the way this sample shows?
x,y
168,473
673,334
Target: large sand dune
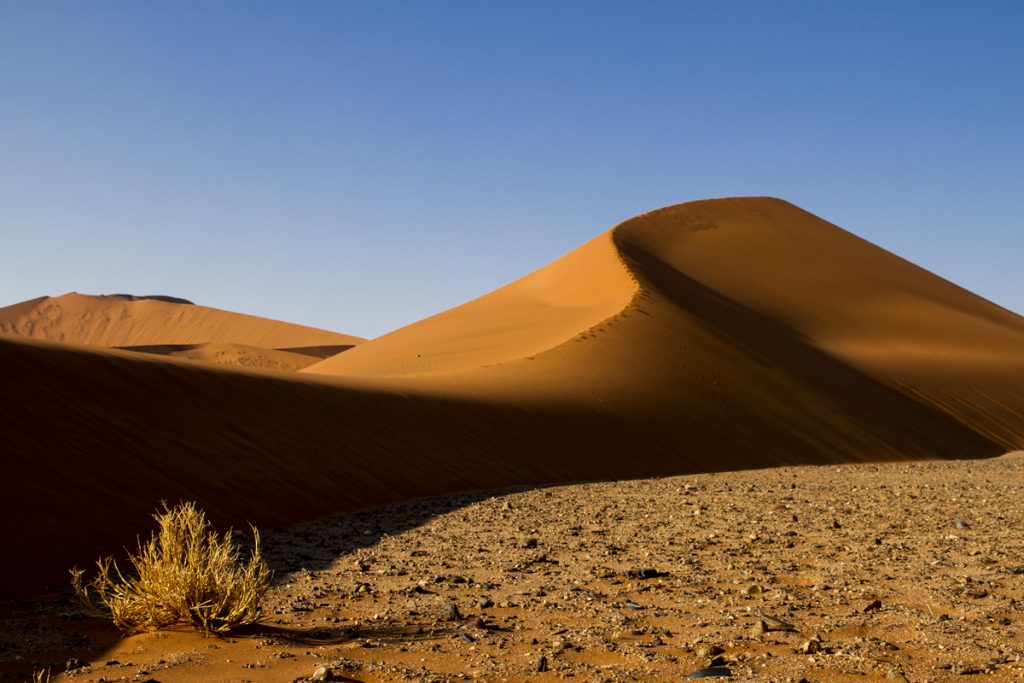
x,y
725,303
716,335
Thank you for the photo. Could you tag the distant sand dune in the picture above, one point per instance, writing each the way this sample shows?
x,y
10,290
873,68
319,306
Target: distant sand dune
x,y
714,335
172,326
120,320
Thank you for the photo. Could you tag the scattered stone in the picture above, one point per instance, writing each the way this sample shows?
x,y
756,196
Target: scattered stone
x,y
73,664
961,524
760,628
707,651
645,574
542,664
529,543
323,673
810,647
873,606
774,623
475,622
452,613
712,672
966,670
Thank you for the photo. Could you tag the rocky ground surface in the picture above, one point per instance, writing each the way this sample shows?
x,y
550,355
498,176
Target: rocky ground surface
x,y
897,572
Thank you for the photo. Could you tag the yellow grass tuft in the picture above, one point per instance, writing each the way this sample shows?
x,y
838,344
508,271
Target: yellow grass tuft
x,y
185,574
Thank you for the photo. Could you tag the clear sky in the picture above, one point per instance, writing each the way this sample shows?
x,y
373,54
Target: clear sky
x,y
360,165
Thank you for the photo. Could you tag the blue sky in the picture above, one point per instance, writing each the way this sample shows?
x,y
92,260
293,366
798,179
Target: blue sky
x,y
360,165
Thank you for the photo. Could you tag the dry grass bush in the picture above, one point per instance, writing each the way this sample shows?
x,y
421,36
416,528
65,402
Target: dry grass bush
x,y
185,574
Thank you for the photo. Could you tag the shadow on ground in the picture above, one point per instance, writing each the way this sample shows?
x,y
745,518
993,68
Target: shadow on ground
x,y
317,545
52,630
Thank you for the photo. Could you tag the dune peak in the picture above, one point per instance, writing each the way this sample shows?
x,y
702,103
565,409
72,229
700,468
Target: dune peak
x,y
149,297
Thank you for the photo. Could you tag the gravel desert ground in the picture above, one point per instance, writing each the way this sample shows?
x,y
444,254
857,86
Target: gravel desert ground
x,y
872,572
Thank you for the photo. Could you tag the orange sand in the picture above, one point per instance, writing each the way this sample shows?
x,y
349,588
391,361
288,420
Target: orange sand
x,y
715,335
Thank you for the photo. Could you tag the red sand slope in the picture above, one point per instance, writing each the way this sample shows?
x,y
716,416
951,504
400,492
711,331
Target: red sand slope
x,y
714,335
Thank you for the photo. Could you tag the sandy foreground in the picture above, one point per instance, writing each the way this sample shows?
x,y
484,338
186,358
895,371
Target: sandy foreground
x,y
906,572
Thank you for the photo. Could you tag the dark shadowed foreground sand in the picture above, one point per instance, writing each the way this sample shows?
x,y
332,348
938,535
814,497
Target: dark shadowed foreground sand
x,y
905,572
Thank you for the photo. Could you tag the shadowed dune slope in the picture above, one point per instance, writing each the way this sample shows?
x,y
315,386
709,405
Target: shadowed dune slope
x,y
120,320
717,335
